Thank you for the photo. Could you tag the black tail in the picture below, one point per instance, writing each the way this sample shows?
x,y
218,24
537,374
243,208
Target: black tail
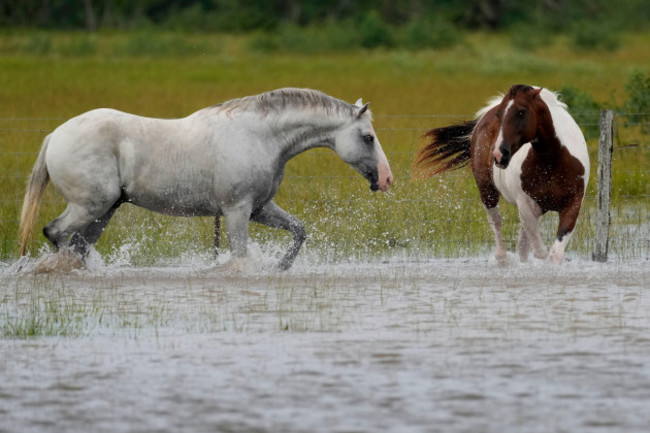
x,y
444,149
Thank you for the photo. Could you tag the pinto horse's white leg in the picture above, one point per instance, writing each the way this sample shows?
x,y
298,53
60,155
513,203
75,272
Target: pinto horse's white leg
x,y
567,223
523,246
530,215
557,250
274,216
495,220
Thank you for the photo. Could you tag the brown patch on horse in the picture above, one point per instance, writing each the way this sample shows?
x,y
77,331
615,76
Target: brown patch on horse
x,y
485,134
545,171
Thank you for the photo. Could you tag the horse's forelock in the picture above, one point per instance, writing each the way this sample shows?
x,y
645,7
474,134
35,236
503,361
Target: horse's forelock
x,y
518,88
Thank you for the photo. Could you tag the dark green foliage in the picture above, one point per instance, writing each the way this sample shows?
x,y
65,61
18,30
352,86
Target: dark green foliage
x,y
431,32
594,36
582,105
529,36
376,17
637,106
374,31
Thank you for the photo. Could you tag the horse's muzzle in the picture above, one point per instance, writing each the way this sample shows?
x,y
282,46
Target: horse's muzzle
x,y
501,157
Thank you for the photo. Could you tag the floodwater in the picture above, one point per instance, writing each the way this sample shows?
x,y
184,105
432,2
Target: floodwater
x,y
394,346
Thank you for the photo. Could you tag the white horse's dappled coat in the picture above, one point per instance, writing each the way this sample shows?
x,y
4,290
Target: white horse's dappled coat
x,y
228,160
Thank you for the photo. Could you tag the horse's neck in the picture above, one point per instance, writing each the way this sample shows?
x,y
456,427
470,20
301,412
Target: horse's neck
x,y
300,133
546,143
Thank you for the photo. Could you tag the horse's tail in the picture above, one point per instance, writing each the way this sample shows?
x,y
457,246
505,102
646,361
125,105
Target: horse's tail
x,y
443,149
32,202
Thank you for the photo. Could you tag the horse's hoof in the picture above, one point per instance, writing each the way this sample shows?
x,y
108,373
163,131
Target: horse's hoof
x,y
557,258
282,266
63,261
501,257
541,256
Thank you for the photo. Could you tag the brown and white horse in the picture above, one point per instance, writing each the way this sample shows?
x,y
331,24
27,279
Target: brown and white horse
x,y
523,146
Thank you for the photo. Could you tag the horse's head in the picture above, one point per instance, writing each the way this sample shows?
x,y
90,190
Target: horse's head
x,y
357,144
517,114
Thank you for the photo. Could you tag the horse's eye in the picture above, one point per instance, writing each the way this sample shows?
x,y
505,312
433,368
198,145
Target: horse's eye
x,y
521,113
368,138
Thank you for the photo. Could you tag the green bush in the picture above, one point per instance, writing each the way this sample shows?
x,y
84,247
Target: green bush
x,y
374,31
79,46
529,37
594,36
582,105
155,44
264,42
430,33
39,44
637,106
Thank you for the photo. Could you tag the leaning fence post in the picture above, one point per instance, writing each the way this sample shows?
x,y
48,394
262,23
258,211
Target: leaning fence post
x,y
603,195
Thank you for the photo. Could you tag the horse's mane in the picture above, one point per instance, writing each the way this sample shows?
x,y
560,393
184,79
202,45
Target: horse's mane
x,y
289,98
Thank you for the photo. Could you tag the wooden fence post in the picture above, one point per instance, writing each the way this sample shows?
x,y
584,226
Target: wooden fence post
x,y
605,148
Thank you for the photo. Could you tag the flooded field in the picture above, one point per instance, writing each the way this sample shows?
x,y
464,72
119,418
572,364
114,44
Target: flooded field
x,y
394,346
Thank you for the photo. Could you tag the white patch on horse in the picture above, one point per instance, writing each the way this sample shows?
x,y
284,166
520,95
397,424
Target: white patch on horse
x,y
497,144
508,180
567,130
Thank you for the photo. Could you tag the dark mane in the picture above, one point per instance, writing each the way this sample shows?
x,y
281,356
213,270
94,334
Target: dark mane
x,y
514,90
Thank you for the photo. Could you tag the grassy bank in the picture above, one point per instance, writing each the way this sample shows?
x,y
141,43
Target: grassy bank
x,y
166,75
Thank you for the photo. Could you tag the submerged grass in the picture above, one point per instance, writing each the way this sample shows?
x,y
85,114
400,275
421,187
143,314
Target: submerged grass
x,y
410,92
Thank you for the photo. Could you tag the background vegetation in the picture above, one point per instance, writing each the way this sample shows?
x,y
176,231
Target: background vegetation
x,y
421,64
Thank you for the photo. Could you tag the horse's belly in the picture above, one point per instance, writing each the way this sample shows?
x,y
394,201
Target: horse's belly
x,y
176,201
175,207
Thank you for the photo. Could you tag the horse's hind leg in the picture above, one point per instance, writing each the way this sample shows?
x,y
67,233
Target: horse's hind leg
x,y
82,240
495,220
83,222
274,216
73,218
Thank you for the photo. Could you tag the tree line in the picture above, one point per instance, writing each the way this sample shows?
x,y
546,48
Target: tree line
x,y
266,15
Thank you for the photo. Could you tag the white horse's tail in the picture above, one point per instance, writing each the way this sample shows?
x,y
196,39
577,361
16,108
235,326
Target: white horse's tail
x,y
32,202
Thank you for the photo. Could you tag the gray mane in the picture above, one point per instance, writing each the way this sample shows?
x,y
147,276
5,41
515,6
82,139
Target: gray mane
x,y
289,98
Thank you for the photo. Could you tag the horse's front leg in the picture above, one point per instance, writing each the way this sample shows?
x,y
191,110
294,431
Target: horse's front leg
x,y
567,223
217,234
523,245
237,227
495,220
530,215
274,216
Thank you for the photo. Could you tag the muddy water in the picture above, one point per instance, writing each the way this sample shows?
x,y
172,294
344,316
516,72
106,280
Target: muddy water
x,y
426,346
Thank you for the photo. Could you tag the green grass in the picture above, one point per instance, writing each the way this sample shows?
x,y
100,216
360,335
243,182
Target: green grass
x,y
52,77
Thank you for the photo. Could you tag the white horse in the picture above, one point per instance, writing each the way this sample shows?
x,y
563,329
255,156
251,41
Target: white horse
x,y
227,160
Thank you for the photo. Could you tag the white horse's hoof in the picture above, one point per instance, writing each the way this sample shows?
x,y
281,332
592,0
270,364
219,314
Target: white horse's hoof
x,y
63,261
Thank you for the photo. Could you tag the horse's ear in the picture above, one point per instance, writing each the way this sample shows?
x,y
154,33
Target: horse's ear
x,y
362,109
536,92
359,103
